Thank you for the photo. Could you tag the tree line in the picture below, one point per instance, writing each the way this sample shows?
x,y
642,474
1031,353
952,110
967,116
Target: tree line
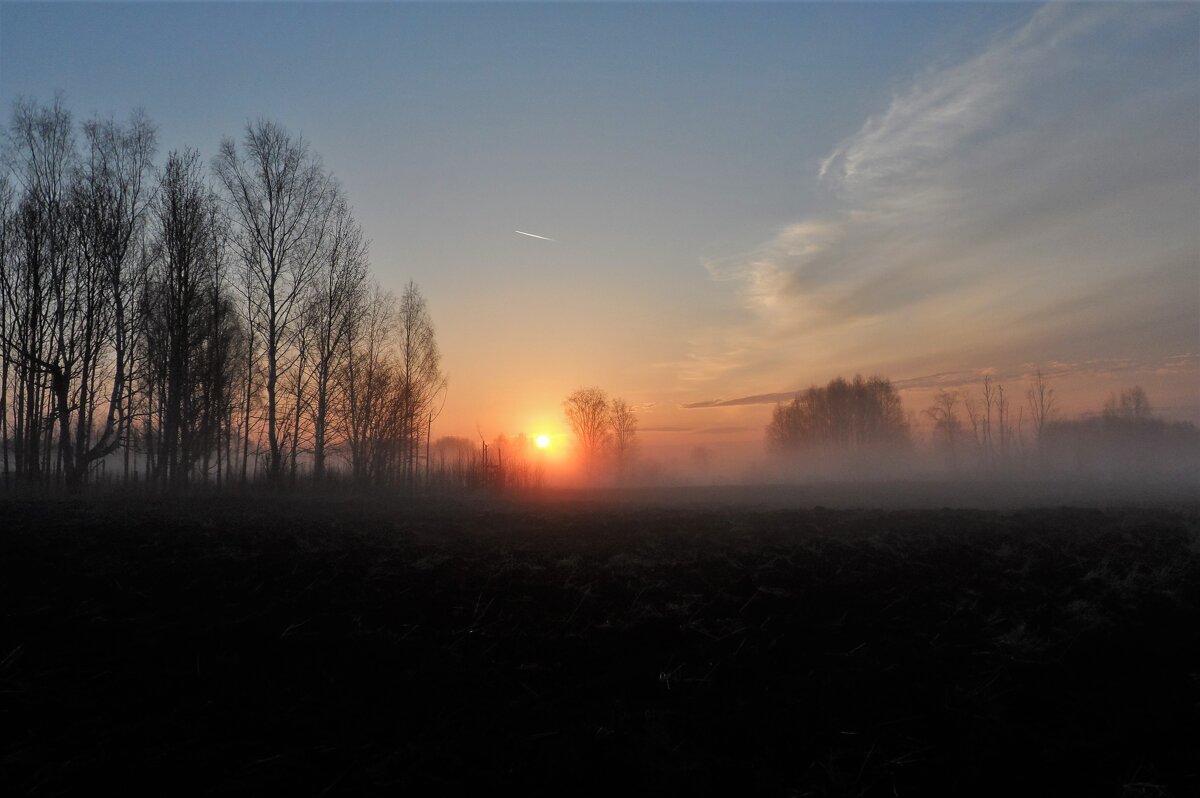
x,y
187,321
851,415
983,428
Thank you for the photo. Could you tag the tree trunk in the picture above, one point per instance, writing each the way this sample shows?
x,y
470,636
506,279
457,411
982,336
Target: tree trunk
x,y
275,463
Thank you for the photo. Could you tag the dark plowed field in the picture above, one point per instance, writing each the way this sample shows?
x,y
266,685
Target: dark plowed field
x,y
308,647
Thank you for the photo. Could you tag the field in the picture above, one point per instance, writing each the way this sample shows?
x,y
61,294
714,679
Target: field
x,y
566,645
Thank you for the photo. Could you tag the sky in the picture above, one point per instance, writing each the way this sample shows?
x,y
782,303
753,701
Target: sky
x,y
744,199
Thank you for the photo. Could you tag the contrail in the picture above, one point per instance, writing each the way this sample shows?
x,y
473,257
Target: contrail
x,y
531,235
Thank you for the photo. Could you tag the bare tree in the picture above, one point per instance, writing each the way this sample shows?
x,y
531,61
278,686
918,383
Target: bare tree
x,y
6,198
70,286
219,365
187,265
251,309
279,194
1003,420
420,375
41,156
947,427
588,414
989,401
1040,398
338,291
116,303
623,422
116,196
365,380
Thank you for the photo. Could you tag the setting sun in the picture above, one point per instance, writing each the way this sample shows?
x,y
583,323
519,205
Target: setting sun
x,y
542,441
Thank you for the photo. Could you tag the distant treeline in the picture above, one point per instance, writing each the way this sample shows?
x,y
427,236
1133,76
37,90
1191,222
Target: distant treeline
x,y
178,320
1125,438
855,415
605,443
861,423
507,463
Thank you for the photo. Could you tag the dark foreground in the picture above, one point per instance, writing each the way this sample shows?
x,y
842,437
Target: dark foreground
x,y
331,648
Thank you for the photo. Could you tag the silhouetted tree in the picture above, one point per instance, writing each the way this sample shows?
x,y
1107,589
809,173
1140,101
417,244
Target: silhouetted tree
x,y
365,381
420,379
40,154
588,414
301,376
988,391
70,283
279,195
996,437
339,289
251,310
220,363
114,196
1041,399
6,198
947,427
212,320
623,422
848,416
8,322
180,302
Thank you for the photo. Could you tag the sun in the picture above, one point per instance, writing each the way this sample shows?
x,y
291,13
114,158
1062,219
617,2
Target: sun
x,y
542,441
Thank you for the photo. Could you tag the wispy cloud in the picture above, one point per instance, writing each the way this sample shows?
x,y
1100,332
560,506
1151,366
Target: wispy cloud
x,y
1021,374
1034,202
757,399
945,112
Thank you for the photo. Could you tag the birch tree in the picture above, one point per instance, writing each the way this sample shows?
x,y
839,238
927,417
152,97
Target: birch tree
x,y
277,191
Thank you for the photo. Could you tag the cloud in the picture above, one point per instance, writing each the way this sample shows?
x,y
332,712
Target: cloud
x,y
1034,202
758,399
942,114
1023,373
1116,368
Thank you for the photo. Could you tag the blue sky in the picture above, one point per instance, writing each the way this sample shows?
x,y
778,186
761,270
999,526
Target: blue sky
x,y
745,198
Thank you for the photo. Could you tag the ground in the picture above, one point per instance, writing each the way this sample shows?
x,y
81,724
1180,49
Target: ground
x,y
341,646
